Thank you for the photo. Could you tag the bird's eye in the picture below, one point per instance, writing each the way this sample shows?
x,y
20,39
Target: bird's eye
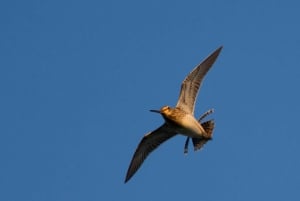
x,y
164,108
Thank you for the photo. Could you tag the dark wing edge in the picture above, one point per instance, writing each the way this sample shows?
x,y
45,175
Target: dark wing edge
x,y
149,142
191,84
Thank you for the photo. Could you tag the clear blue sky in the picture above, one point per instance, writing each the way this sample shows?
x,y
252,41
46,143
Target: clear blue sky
x,y
77,79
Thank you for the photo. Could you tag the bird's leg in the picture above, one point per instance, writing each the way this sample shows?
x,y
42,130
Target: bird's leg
x,y
186,145
208,112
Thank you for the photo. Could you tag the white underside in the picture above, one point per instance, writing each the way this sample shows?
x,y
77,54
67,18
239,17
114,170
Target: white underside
x,y
191,127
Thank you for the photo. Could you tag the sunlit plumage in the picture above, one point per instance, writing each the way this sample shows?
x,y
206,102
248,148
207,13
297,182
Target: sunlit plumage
x,y
179,120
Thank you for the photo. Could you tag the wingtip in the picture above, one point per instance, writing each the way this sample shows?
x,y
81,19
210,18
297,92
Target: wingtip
x,y
126,180
128,176
213,56
218,50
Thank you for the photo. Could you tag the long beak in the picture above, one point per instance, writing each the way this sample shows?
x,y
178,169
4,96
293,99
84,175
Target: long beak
x,y
157,111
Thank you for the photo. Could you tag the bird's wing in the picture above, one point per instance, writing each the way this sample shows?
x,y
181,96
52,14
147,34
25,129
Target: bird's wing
x,y
192,83
149,142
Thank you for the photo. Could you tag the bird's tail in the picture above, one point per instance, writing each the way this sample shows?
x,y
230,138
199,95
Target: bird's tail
x,y
209,128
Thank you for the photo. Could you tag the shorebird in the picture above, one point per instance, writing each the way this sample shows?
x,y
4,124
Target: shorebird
x,y
180,119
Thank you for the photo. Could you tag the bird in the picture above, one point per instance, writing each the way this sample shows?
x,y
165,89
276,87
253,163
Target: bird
x,y
179,119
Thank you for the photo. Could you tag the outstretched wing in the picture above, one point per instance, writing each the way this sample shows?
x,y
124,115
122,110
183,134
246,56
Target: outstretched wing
x,y
149,142
191,84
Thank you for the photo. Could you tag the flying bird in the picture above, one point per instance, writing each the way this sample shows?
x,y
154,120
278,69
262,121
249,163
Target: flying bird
x,y
180,119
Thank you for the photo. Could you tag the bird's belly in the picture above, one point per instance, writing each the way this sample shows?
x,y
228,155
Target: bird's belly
x,y
189,126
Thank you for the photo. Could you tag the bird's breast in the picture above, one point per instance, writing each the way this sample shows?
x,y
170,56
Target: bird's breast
x,y
189,126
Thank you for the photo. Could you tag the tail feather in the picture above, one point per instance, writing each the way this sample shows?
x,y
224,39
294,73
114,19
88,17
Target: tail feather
x,y
209,128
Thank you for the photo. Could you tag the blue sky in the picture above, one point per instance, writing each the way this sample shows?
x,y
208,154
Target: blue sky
x,y
77,79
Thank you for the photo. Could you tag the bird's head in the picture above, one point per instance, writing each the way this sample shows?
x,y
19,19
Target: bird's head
x,y
165,110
